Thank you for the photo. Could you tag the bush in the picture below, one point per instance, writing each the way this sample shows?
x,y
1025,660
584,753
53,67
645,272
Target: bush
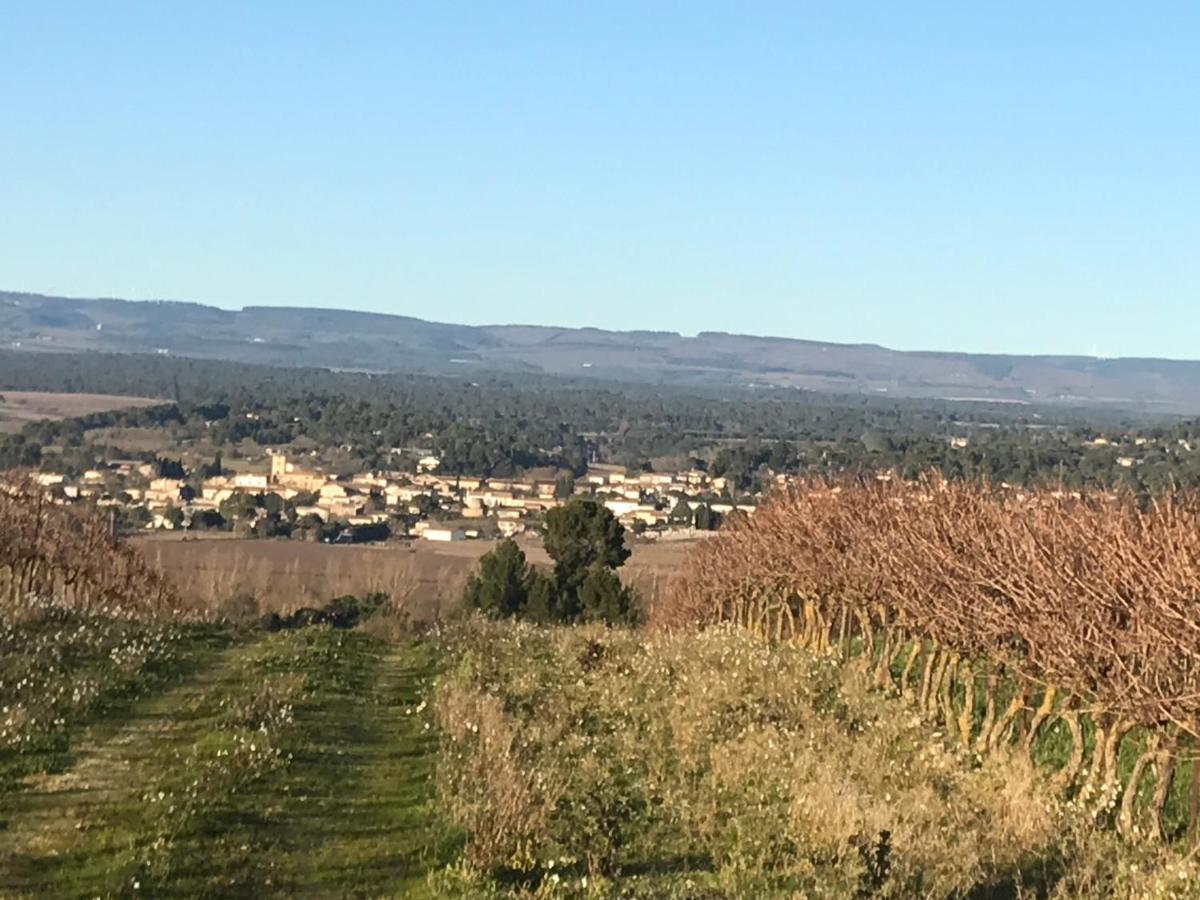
x,y
506,586
603,598
587,545
500,587
341,612
240,609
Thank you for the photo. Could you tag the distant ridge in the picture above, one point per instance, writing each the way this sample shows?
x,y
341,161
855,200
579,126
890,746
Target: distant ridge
x,y
358,340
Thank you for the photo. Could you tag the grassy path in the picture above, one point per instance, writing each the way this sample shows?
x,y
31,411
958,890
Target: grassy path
x,y
350,813
359,819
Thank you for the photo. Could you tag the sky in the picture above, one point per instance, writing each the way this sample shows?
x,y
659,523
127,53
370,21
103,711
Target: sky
x,y
1004,177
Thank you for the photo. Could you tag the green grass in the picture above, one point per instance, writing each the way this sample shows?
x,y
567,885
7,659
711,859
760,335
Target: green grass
x,y
577,763
353,815
292,766
67,829
34,652
359,810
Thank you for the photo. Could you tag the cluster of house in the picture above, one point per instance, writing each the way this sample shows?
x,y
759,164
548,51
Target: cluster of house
x,y
405,502
95,485
1130,449
651,498
1128,460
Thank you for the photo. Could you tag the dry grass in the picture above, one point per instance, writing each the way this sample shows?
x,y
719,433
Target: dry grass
x,y
715,765
255,577
426,579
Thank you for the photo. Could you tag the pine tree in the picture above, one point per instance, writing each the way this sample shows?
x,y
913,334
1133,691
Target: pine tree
x,y
603,598
500,587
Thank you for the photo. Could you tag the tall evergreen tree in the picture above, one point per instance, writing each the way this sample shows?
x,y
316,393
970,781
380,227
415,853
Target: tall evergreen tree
x,y
500,587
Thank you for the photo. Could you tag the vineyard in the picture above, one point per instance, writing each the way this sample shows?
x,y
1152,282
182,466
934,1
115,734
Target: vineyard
x,y
870,688
48,552
1059,626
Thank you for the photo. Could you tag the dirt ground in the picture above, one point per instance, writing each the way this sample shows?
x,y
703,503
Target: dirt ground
x,y
18,408
215,572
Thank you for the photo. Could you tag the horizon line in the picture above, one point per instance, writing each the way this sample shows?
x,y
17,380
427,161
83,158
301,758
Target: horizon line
x,y
1093,356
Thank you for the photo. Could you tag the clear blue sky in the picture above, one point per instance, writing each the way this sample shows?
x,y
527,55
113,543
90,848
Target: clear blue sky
x,y
1011,176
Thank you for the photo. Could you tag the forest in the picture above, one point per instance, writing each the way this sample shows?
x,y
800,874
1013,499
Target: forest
x,y
503,424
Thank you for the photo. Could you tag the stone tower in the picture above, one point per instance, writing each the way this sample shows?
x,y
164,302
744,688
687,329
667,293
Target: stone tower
x,y
278,467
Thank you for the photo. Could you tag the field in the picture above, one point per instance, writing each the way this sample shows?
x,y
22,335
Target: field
x,y
425,578
825,703
18,408
503,760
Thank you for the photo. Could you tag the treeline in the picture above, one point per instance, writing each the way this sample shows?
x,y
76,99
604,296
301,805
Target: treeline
x,y
1012,618
1063,457
502,425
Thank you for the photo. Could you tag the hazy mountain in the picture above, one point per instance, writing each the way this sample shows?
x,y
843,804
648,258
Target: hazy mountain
x,y
371,341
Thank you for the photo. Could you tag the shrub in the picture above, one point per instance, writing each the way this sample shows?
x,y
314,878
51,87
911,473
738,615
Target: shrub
x,y
603,598
500,586
341,612
240,608
506,586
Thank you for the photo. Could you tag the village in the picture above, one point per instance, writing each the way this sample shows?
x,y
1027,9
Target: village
x,y
290,499
272,495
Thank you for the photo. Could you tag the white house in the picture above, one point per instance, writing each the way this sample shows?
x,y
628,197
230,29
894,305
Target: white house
x,y
444,535
621,507
508,527
250,482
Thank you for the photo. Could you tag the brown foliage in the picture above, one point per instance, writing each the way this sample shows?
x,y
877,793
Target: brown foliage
x,y
72,556
1087,600
1084,591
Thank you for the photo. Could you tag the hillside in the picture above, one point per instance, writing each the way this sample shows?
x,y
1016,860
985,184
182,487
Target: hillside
x,y
369,341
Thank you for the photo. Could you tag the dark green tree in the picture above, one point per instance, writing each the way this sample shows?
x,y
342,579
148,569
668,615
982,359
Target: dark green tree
x,y
704,519
603,598
240,506
170,468
213,470
500,586
272,503
681,513
542,598
579,535
207,519
564,487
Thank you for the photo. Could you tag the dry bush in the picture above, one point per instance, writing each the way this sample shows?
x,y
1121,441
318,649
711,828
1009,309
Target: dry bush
x,y
73,557
500,803
1000,614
